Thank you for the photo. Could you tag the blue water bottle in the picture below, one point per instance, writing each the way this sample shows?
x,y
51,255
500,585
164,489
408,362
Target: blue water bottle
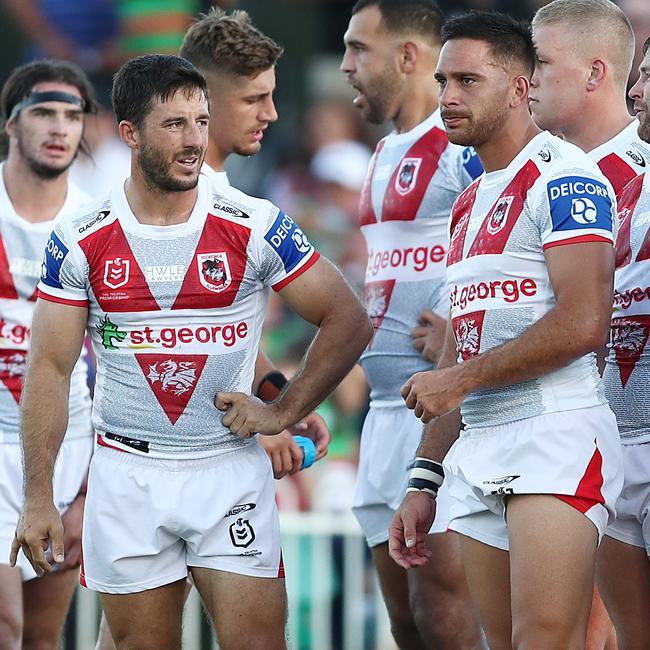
x,y
309,450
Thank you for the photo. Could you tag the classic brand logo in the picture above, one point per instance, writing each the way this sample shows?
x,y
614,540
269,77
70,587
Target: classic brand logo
x,y
214,271
116,272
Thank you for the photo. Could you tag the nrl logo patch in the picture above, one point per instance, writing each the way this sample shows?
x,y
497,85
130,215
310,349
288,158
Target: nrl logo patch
x,y
116,272
500,215
214,271
407,175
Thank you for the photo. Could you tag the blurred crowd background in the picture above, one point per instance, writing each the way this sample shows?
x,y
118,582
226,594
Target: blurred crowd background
x,y
312,164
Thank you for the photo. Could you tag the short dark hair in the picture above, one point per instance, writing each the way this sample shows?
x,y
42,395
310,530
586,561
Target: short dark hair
x,y
422,17
141,81
25,77
229,44
510,39
646,45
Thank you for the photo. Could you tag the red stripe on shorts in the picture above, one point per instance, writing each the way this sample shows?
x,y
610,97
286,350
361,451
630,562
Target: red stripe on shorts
x,y
588,493
281,567
82,576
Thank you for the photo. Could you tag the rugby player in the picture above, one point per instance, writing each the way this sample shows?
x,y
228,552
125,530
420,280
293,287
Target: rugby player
x,y
238,62
43,105
539,438
623,567
169,274
391,52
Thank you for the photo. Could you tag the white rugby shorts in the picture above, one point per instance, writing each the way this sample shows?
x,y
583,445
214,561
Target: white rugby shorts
x,y
69,474
148,519
573,455
632,523
389,440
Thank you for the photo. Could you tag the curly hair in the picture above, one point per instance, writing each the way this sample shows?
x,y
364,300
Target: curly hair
x,y
229,44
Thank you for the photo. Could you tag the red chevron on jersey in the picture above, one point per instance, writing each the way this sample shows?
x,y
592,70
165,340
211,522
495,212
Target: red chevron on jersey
x,y
7,288
411,178
627,201
217,268
172,379
617,171
459,221
377,298
500,220
13,364
366,209
467,332
116,278
629,338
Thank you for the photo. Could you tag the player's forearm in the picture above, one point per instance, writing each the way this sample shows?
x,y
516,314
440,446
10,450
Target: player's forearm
x,y
556,340
439,435
263,367
44,420
337,346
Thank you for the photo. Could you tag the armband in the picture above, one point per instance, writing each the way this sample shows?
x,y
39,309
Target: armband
x,y
271,385
425,476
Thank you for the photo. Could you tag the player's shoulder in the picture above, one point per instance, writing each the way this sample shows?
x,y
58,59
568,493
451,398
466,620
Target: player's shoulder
x,y
86,219
555,157
227,202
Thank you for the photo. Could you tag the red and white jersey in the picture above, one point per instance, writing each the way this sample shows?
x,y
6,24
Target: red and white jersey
x,y
623,157
220,179
551,194
21,258
175,312
627,373
413,180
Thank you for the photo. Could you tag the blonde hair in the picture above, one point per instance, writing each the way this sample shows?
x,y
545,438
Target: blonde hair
x,y
595,21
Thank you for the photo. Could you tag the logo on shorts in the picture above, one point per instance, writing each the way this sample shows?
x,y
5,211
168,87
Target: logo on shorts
x,y
504,480
407,175
242,533
214,271
243,507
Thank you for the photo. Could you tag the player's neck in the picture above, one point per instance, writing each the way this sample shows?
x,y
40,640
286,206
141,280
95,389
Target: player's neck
x,y
214,158
607,124
417,106
505,144
34,198
152,206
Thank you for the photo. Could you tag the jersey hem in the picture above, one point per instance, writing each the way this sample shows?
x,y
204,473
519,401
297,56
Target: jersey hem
x,y
63,301
290,278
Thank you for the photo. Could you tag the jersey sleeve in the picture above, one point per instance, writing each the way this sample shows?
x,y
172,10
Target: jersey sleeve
x,y
576,207
63,271
285,251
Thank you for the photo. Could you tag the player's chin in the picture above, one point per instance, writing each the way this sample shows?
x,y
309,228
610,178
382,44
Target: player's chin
x,y
248,149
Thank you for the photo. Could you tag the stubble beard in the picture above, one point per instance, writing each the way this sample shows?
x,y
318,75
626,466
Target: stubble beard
x,y
155,169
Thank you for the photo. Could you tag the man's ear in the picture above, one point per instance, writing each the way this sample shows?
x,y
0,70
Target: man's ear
x,y
129,134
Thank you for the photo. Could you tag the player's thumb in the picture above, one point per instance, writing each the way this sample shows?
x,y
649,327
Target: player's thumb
x,y
223,401
410,537
58,550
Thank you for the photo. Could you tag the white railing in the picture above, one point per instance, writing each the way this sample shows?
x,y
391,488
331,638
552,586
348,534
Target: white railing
x,y
334,599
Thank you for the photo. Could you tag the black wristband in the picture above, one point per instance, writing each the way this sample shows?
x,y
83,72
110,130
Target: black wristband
x,y
271,385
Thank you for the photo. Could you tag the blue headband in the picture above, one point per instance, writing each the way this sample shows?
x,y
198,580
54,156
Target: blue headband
x,y
49,96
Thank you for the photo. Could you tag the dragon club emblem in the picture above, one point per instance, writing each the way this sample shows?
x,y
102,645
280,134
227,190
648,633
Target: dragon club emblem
x,y
407,175
175,378
214,271
499,216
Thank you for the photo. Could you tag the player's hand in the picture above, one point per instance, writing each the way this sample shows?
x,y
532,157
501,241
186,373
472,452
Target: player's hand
x,y
72,520
409,529
285,453
433,393
313,426
247,415
429,336
39,527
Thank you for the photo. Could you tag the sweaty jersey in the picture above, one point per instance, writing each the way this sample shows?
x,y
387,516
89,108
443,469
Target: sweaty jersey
x,y
551,194
175,312
627,373
623,157
413,180
21,256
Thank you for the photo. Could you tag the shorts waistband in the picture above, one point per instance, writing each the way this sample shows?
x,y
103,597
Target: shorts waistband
x,y
173,464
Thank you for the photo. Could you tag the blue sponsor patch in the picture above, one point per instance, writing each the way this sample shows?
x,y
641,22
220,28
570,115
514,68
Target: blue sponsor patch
x,y
471,163
55,253
288,241
577,202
